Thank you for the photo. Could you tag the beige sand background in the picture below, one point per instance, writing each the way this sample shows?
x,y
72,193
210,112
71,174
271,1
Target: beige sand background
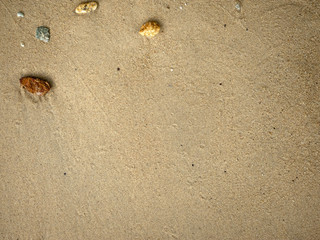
x,y
208,131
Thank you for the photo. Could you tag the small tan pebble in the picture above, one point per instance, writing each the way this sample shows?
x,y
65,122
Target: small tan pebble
x,y
150,29
87,7
35,85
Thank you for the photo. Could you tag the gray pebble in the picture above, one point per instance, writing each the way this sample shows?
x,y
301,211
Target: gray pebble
x,y
43,34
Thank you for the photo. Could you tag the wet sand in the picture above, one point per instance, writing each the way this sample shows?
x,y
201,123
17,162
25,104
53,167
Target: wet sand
x,y
209,130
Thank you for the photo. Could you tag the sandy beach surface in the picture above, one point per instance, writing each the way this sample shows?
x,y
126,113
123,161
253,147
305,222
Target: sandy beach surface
x,y
209,130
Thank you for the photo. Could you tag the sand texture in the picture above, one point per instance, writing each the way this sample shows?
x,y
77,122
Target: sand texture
x,y
209,130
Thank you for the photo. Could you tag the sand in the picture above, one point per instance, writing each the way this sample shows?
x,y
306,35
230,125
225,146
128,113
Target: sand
x,y
210,130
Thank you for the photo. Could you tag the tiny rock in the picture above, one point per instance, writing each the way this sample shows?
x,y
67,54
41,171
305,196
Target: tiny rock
x,y
35,85
150,29
87,7
238,5
20,14
43,34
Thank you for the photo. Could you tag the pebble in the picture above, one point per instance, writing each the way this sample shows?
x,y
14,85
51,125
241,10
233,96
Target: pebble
x,y
35,85
22,44
238,5
150,29
20,14
87,7
43,34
